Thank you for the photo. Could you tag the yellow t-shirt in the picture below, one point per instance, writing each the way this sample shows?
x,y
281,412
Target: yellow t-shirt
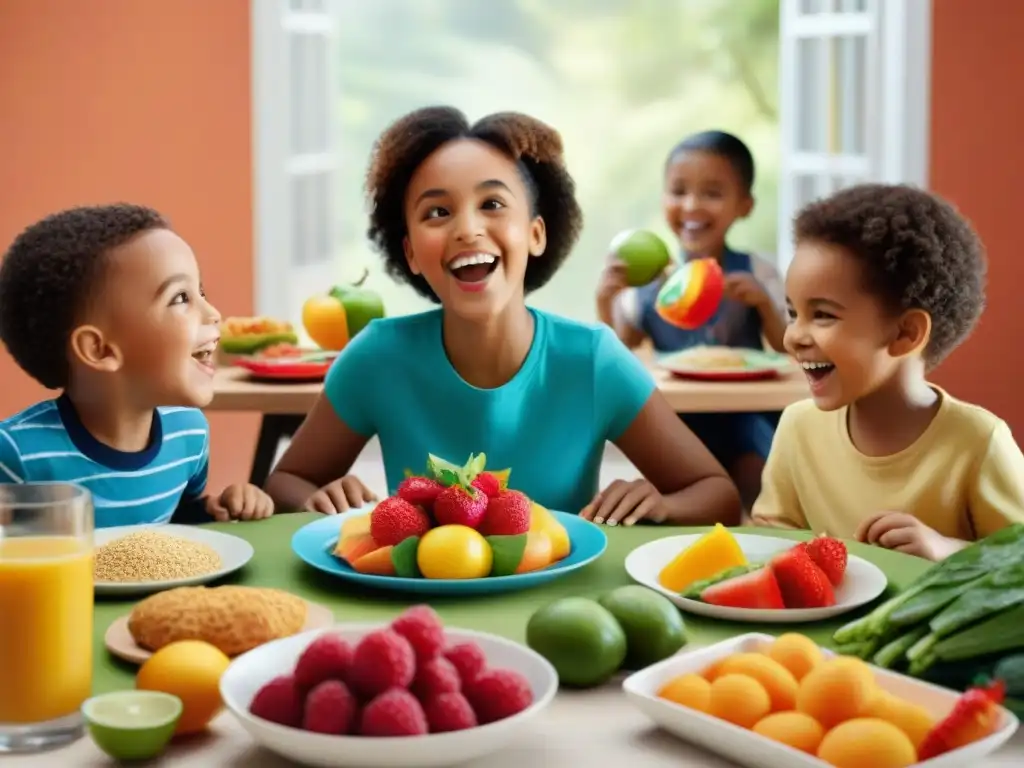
x,y
963,477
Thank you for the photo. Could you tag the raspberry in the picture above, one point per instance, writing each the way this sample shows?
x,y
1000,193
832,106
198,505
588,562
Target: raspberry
x,y
449,712
421,491
468,660
330,708
487,483
326,658
279,701
394,713
382,660
499,693
422,628
435,677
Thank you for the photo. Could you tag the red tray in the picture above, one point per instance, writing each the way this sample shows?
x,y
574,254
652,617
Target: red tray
x,y
282,369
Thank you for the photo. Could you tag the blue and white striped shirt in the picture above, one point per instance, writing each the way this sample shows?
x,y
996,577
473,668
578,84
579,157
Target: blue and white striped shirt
x,y
48,443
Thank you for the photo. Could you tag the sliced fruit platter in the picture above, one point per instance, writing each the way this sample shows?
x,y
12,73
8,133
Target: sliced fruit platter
x,y
452,529
784,702
746,577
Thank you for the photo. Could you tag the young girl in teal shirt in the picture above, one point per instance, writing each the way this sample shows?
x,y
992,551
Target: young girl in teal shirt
x,y
474,217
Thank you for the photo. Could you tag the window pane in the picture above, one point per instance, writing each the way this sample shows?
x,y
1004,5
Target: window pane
x,y
809,7
310,97
311,219
853,6
811,95
850,57
314,6
808,189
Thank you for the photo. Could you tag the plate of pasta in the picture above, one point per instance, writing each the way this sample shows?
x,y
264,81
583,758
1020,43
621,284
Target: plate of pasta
x,y
710,363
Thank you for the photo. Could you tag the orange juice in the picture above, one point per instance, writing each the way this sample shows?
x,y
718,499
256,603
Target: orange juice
x,y
46,604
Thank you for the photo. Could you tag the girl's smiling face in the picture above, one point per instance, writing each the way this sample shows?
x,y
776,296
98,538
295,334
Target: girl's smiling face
x,y
471,227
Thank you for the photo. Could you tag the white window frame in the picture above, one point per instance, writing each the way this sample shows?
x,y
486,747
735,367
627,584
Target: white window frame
x,y
279,281
898,103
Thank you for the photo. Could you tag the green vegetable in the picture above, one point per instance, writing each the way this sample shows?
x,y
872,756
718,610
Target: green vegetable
x,y
1003,632
1011,671
696,589
253,343
996,592
892,653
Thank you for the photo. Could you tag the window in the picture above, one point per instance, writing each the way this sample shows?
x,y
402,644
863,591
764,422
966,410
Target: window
x,y
295,147
622,80
854,98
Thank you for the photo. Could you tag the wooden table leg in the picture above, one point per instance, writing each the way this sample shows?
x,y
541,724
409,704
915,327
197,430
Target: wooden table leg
x,y
274,427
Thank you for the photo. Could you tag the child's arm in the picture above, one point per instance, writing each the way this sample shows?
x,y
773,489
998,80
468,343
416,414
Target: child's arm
x,y
617,304
997,496
683,484
778,505
311,473
772,310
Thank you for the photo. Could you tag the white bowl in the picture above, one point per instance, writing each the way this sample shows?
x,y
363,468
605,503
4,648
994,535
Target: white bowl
x,y
747,748
862,583
250,671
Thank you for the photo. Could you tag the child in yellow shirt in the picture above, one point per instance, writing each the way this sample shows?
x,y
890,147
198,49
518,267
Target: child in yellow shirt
x,y
885,282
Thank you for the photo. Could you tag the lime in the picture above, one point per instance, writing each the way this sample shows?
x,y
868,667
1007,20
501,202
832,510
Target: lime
x,y
582,640
454,552
132,725
653,626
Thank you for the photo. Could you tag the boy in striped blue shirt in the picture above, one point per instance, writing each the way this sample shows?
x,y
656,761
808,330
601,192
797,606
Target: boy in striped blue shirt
x,y
105,303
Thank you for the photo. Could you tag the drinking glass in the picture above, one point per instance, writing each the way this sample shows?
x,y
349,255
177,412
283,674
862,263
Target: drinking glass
x,y
46,614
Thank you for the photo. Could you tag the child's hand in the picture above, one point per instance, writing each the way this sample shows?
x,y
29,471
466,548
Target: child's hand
x,y
613,280
340,496
625,503
240,502
744,288
905,533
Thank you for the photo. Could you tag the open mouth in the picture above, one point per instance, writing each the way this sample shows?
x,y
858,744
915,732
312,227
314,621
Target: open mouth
x,y
693,228
817,372
204,355
473,267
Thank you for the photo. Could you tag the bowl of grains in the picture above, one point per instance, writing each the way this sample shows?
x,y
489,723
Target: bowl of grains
x,y
141,559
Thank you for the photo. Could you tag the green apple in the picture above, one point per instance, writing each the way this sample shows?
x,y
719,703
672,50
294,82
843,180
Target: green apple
x,y
361,304
644,254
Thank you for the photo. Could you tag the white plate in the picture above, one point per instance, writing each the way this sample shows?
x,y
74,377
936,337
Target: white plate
x,y
250,671
234,553
747,748
863,582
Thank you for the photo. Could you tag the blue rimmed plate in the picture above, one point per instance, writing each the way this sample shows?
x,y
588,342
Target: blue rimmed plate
x,y
315,542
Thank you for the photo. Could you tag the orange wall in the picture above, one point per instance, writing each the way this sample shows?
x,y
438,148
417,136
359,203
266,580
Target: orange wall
x,y
140,100
977,161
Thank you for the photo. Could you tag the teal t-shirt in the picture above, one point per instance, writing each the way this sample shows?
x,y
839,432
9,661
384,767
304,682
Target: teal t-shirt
x,y
578,388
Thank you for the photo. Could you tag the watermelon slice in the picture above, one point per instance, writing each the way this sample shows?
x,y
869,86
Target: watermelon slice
x,y
757,589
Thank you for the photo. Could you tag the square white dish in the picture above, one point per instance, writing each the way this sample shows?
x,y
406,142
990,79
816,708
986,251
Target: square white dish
x,y
747,748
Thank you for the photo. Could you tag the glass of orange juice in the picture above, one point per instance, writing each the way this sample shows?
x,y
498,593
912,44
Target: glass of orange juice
x,y
46,606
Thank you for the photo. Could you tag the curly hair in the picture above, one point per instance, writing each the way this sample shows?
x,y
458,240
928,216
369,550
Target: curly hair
x,y
50,271
536,149
917,250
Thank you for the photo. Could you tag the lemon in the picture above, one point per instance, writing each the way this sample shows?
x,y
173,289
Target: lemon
x,y
454,552
190,670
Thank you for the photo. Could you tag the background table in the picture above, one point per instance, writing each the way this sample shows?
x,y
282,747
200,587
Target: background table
x,y
581,727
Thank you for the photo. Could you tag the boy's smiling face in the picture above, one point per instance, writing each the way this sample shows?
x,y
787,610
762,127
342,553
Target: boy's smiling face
x,y
151,322
844,337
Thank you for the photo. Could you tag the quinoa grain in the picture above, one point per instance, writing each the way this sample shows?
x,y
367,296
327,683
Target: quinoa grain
x,y
153,556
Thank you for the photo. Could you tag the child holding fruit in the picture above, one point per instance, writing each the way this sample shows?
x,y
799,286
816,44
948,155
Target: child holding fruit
x,y
474,217
709,178
105,303
885,282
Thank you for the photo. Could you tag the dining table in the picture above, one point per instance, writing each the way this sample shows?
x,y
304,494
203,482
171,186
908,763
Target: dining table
x,y
580,727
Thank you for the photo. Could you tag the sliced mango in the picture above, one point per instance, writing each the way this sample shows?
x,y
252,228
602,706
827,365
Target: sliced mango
x,y
378,562
713,552
537,553
354,525
354,546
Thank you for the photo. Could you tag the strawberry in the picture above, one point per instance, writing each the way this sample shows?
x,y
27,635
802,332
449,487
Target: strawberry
x,y
382,660
487,483
330,708
802,583
507,514
422,627
394,520
326,658
419,491
468,659
757,589
830,555
449,712
975,716
279,701
394,713
459,505
499,693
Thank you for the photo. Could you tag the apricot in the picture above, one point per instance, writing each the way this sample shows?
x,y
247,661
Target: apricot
x,y
690,690
837,690
776,679
867,742
913,719
797,653
710,672
794,729
739,699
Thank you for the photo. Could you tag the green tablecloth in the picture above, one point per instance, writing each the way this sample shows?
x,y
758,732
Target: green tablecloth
x,y
274,565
